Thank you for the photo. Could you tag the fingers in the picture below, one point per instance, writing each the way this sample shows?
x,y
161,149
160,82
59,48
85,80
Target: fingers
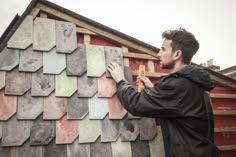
x,y
116,65
142,78
139,79
112,66
109,69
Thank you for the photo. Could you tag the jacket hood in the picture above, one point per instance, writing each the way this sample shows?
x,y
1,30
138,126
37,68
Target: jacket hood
x,y
197,75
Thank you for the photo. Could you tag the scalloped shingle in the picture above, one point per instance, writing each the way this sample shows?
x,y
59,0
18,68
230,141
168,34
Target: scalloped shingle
x,y
14,132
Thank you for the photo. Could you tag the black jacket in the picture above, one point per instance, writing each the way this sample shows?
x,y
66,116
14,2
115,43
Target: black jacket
x,y
178,100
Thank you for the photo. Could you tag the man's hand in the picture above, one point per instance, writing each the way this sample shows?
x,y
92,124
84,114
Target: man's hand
x,y
116,72
147,83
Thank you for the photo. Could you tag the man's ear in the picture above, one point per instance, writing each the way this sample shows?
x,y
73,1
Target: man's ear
x,y
178,54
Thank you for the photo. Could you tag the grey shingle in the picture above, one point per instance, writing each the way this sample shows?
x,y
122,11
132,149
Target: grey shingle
x,y
30,61
110,130
17,83
42,84
2,79
29,107
7,151
15,132
27,151
140,148
99,149
55,150
77,108
147,128
42,132
9,58
129,129
1,129
77,149
66,39
76,63
113,54
87,86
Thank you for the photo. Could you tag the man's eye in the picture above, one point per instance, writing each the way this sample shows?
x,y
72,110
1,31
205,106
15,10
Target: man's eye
x,y
163,49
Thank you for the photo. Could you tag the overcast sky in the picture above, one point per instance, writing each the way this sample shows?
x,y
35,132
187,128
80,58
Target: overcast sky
x,y
212,21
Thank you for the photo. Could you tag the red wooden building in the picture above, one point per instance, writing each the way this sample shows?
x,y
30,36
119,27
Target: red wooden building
x,y
49,95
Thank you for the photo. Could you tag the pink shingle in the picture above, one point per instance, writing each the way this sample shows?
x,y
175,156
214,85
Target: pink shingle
x,y
106,87
66,130
116,110
7,106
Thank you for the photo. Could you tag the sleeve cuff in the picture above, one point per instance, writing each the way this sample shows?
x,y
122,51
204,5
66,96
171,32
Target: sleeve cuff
x,y
118,83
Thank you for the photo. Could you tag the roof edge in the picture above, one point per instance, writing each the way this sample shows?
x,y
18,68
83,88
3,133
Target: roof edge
x,y
99,25
9,27
219,78
223,79
12,27
227,70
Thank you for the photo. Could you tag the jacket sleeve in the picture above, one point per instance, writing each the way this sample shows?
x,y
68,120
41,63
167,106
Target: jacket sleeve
x,y
161,101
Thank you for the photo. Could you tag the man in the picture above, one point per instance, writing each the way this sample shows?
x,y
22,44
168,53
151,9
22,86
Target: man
x,y
179,99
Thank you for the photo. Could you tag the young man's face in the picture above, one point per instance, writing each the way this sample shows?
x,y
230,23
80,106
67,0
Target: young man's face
x,y
166,55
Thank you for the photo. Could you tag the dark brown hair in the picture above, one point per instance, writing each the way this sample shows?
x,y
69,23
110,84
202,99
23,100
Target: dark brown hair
x,y
184,41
